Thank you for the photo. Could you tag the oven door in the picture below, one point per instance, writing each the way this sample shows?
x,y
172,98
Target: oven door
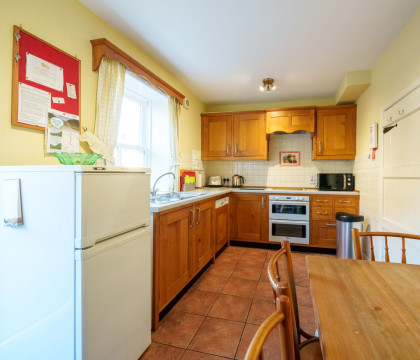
x,y
289,210
296,232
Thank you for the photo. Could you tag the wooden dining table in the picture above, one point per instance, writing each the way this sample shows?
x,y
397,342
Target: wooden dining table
x,y
365,309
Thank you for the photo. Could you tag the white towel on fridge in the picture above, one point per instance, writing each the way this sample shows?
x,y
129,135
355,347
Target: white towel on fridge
x,y
12,203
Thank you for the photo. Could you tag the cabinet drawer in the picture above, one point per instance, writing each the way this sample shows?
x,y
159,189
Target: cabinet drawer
x,y
344,201
319,200
322,212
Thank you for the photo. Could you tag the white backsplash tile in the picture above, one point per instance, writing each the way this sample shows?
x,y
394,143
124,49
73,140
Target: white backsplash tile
x,y
270,173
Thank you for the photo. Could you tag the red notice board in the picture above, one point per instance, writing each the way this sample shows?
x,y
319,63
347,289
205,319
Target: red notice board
x,y
29,50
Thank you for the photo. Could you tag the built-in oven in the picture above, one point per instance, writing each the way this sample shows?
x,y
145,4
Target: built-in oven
x,y
289,219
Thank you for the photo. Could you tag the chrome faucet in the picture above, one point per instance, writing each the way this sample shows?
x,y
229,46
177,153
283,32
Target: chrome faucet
x,y
153,192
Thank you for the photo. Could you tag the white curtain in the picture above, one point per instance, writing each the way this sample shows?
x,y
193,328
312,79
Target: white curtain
x,y
108,103
174,116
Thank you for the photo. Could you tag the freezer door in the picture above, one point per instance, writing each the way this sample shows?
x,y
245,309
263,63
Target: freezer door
x,y
113,298
108,204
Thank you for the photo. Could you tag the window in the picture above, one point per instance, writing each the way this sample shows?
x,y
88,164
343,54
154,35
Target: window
x,y
143,134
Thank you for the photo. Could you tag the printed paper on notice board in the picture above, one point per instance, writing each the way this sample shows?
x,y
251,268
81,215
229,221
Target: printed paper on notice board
x,y
44,73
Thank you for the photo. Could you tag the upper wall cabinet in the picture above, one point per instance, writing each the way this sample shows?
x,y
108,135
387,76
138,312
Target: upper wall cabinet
x,y
290,120
234,136
335,136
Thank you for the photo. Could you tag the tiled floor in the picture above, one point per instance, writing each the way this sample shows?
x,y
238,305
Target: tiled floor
x,y
218,316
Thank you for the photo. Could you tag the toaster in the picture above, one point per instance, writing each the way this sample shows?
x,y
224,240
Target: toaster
x,y
215,181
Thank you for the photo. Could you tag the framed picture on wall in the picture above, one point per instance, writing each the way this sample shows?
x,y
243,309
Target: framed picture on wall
x,y
289,158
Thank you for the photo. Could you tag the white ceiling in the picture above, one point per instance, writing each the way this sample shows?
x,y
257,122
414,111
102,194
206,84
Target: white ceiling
x,y
222,49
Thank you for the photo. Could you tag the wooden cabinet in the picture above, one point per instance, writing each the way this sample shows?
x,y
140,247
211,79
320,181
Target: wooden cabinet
x,y
290,120
323,224
229,136
173,253
335,136
183,244
249,217
203,240
221,227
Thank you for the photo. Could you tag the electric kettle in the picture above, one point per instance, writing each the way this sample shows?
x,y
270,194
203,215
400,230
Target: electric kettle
x,y
237,180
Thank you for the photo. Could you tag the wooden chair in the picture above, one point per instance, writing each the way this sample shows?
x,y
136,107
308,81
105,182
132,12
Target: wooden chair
x,y
282,318
285,286
357,247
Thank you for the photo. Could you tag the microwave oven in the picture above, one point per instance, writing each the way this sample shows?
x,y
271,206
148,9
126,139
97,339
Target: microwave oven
x,y
336,182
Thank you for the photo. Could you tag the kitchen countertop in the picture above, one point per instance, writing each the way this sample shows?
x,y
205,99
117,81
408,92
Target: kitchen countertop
x,y
211,192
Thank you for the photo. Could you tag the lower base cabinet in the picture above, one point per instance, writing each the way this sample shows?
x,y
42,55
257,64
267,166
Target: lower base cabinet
x,y
323,224
183,245
249,217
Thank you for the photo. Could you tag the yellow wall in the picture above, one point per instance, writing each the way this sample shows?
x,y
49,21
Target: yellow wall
x,y
398,67
70,26
269,105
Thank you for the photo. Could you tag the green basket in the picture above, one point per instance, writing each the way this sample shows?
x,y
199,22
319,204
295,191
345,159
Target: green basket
x,y
66,158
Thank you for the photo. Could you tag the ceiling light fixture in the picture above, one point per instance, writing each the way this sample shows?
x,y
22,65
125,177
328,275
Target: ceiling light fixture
x,y
268,85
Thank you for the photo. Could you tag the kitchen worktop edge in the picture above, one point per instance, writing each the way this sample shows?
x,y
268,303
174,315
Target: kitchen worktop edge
x,y
212,192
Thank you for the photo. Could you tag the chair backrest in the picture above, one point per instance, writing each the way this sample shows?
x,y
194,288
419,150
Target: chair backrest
x,y
356,234
281,264
282,318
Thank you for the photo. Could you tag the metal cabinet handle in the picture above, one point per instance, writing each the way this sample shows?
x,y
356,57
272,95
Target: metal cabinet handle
x,y
331,225
344,201
227,149
236,148
322,213
198,216
192,218
322,201
262,203
320,146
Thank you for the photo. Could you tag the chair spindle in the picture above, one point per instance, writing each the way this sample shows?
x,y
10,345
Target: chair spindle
x,y
386,249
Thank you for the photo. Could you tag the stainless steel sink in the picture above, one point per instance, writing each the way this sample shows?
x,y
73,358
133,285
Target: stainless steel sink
x,y
168,197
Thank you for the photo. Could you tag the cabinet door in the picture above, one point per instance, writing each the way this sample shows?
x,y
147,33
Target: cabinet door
x,y
249,137
324,233
221,231
175,239
336,133
204,249
249,215
216,137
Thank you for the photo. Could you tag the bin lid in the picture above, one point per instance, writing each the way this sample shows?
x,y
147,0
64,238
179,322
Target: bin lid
x,y
347,217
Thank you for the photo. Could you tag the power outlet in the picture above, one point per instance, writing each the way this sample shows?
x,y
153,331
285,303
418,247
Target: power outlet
x,y
312,180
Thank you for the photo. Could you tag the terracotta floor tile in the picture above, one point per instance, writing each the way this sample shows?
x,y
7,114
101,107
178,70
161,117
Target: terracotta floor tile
x,y
196,302
217,337
231,307
209,282
159,351
234,260
264,276
252,261
177,329
260,310
301,275
256,252
271,349
247,272
304,295
306,314
234,250
221,269
264,290
240,287
194,355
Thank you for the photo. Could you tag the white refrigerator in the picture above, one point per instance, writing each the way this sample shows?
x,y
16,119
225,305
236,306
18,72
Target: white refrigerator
x,y
75,276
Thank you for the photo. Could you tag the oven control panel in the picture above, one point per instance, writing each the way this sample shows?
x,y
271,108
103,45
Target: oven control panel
x,y
288,198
